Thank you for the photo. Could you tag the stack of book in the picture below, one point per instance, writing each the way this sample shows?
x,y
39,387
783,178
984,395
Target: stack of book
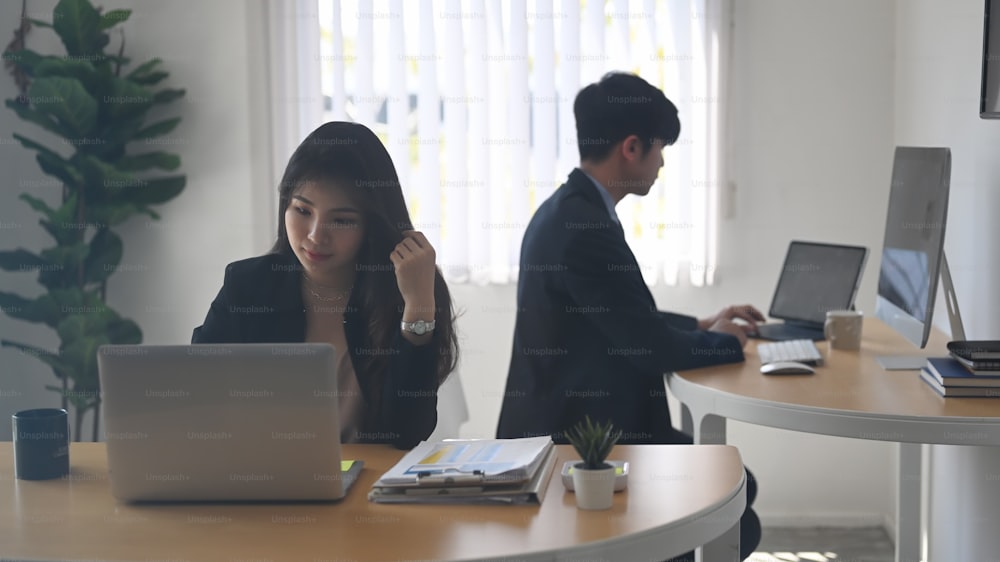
x,y
972,370
512,471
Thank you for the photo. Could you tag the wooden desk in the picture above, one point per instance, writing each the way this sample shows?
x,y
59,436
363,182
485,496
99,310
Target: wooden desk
x,y
679,497
851,395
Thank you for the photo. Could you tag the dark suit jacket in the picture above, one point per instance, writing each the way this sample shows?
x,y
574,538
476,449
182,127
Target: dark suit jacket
x,y
588,338
261,302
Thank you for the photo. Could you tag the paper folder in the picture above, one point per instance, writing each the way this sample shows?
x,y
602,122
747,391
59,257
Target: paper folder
x,y
530,491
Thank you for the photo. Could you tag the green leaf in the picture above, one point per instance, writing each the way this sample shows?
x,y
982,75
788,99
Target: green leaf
x,y
144,68
127,100
117,135
40,23
38,205
24,59
83,332
104,182
67,101
158,190
52,164
105,254
27,349
59,221
68,68
114,17
161,160
59,168
150,212
151,79
80,347
124,332
15,306
32,145
146,75
72,298
69,257
158,128
43,120
78,24
43,309
123,61
168,95
51,359
20,260
57,278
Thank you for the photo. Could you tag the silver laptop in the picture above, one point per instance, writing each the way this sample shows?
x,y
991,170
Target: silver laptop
x,y
232,422
815,278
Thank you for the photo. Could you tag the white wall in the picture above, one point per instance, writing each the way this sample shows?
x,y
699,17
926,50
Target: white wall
x,y
938,65
813,94
813,134
172,268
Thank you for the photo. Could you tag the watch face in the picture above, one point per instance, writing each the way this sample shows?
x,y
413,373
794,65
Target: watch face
x,y
419,327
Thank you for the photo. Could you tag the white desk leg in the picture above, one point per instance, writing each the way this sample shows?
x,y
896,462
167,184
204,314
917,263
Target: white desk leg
x,y
908,504
687,422
725,548
710,430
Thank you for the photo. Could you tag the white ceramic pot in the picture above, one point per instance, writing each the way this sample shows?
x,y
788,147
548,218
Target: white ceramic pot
x,y
594,489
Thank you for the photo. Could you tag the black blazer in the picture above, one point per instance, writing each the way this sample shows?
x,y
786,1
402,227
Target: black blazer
x,y
261,302
588,338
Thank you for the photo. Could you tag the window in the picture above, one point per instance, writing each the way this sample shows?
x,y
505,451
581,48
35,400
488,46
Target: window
x,y
473,100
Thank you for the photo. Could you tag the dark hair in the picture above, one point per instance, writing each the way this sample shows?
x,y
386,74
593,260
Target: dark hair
x,y
618,106
350,156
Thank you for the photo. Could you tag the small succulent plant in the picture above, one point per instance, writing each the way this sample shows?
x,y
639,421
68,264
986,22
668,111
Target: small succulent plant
x,y
593,442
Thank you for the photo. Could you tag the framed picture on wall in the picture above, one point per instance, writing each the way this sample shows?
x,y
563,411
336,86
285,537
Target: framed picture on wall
x,y
989,99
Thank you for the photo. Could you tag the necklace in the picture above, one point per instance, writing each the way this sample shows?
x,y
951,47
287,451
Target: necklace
x,y
310,287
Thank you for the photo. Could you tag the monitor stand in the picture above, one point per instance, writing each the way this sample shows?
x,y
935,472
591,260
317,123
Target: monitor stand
x,y
916,362
902,362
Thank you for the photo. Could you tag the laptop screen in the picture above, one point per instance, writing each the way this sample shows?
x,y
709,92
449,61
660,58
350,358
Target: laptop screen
x,y
817,278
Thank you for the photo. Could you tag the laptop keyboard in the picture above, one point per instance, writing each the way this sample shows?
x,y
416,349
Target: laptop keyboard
x,y
803,351
785,331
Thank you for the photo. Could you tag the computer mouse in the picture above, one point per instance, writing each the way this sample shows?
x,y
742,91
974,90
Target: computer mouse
x,y
786,368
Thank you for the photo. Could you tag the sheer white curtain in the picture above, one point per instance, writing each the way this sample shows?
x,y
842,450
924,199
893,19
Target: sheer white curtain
x,y
474,98
295,98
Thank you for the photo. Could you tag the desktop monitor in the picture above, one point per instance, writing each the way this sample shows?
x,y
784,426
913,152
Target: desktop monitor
x,y
914,246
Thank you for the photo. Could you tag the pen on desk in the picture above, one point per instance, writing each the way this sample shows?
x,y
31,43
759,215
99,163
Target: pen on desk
x,y
450,478
452,470
445,491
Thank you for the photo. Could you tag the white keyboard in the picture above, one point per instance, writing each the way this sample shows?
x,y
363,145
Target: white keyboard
x,y
803,351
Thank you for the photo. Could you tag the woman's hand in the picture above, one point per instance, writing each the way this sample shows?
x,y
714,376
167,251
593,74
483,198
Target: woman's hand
x,y
413,259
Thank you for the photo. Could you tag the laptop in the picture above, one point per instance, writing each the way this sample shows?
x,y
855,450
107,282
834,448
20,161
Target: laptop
x,y
232,422
815,278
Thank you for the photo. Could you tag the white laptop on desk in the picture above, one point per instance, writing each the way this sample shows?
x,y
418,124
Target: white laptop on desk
x,y
232,422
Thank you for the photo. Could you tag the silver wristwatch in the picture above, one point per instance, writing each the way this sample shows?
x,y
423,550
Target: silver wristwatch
x,y
419,327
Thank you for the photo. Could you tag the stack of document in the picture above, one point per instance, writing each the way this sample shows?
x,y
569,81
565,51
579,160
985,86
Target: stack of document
x,y
513,471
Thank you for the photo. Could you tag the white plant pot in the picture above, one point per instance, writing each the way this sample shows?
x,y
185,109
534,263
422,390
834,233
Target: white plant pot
x,y
594,489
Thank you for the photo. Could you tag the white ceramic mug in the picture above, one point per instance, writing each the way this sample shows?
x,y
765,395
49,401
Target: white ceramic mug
x,y
843,329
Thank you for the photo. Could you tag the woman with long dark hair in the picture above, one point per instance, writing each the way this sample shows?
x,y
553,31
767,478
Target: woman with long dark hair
x,y
349,269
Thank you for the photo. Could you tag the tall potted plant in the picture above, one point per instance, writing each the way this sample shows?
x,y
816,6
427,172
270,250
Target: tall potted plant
x,y
109,170
593,478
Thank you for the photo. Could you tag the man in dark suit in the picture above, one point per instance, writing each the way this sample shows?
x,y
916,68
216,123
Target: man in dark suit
x,y
588,338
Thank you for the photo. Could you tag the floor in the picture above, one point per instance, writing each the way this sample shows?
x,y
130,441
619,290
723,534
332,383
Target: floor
x,y
824,544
